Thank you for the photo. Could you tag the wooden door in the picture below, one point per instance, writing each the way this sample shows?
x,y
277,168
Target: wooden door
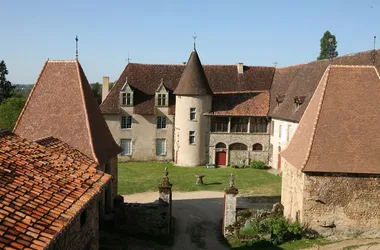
x,y
279,162
220,158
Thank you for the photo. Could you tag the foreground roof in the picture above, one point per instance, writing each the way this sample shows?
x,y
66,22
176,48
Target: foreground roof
x,y
41,192
302,80
146,78
339,130
61,104
193,80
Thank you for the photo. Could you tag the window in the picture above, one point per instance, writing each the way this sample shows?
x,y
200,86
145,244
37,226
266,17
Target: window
x,y
83,218
270,152
126,145
126,99
239,124
161,100
288,133
272,127
192,114
257,147
238,146
160,147
258,125
191,137
279,131
220,145
126,122
219,124
161,122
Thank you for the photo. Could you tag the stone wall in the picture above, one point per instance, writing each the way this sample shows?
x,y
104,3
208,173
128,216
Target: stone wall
x,y
236,156
346,205
292,191
343,205
81,237
143,133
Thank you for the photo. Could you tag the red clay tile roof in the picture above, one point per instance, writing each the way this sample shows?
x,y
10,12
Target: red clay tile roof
x,y
252,104
302,80
59,147
339,130
61,104
41,192
193,80
145,79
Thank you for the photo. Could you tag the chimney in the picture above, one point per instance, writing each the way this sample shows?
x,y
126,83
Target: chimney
x,y
106,85
240,68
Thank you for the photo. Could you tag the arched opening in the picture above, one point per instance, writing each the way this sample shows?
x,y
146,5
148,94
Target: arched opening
x,y
257,147
221,145
238,146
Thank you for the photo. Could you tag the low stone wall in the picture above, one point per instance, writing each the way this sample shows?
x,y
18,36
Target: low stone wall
x,y
148,219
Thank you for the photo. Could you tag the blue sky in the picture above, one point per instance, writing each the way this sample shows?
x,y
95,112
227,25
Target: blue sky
x,y
252,32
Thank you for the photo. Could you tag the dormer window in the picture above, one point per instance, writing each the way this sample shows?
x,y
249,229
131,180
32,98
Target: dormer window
x,y
126,94
162,95
280,99
298,100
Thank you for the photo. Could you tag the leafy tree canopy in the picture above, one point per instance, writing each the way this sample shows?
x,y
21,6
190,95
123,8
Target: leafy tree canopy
x,y
328,46
10,109
6,88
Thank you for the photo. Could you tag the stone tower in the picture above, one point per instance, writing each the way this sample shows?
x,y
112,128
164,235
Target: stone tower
x,y
193,99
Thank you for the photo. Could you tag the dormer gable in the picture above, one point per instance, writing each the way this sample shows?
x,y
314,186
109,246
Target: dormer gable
x,y
162,95
126,94
298,100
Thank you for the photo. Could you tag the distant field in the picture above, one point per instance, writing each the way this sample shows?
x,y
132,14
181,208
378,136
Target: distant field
x,y
137,177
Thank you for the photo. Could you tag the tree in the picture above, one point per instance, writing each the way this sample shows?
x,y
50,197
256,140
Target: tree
x,y
97,91
10,109
328,46
6,88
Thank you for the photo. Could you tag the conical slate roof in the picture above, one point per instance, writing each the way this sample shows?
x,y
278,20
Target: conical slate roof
x,y
193,80
62,105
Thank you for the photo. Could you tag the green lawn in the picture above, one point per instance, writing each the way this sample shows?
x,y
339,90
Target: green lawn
x,y
137,177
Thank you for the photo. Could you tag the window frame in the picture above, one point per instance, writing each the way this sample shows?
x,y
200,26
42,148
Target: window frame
x,y
128,122
239,124
125,151
161,99
161,122
193,114
257,145
219,124
192,137
163,147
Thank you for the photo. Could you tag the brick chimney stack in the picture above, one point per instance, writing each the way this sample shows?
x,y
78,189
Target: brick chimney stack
x,y
240,68
106,85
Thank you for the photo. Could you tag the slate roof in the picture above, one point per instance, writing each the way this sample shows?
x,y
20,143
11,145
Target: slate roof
x,y
193,80
145,79
251,104
41,192
339,130
302,80
61,104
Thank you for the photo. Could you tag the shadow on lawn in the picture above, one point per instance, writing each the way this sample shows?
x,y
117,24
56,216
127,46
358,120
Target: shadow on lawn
x,y
212,183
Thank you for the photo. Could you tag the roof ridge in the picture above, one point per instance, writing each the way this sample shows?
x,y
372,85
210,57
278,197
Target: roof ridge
x,y
58,61
78,67
44,138
327,74
29,97
351,66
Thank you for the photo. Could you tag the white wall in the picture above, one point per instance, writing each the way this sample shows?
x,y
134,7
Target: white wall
x,y
191,154
280,139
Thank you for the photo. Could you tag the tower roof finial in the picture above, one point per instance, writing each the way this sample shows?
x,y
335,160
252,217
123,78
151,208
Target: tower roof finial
x,y
76,47
195,38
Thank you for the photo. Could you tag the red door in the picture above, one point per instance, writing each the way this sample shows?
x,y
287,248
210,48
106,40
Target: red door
x,y
220,158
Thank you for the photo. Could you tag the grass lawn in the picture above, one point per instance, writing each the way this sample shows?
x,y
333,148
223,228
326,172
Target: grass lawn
x,y
137,177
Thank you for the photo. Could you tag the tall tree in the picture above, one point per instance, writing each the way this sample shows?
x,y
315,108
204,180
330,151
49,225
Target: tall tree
x,y
97,91
328,46
10,109
6,88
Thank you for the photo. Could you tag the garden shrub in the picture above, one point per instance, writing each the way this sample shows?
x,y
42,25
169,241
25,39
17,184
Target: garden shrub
x,y
258,164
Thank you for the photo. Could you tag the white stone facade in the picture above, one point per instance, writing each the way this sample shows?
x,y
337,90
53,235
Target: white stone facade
x,y
281,133
191,128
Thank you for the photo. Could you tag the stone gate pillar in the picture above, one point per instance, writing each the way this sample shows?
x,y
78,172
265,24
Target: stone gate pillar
x,y
230,198
165,200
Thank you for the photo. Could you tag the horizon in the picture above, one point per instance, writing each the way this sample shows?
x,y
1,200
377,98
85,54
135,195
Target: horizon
x,y
255,33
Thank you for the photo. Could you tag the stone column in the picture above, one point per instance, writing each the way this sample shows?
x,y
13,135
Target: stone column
x,y
165,200
230,198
